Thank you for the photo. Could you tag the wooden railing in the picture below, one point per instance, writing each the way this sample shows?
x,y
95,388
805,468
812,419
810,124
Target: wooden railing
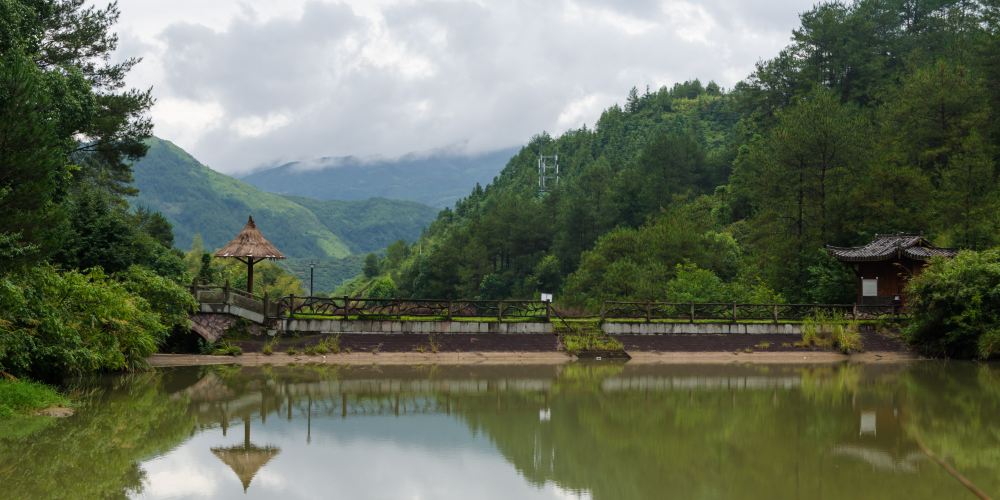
x,y
214,294
733,312
524,310
361,308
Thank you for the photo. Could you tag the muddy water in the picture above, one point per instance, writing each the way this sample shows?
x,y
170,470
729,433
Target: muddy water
x,y
602,431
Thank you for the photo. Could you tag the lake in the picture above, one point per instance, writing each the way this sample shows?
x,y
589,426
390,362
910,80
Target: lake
x,y
582,430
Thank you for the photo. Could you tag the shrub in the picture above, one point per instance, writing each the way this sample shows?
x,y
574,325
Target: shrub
x,y
53,323
955,306
168,299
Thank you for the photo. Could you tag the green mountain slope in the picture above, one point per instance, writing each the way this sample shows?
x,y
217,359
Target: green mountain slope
x,y
370,225
198,200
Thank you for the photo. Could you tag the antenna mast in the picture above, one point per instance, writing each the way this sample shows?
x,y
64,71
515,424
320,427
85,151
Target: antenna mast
x,y
548,173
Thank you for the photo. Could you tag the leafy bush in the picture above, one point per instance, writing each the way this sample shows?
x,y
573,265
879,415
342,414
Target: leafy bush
x,y
168,299
956,306
53,323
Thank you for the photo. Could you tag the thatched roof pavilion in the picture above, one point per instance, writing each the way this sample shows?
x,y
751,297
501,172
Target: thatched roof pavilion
x,y
250,247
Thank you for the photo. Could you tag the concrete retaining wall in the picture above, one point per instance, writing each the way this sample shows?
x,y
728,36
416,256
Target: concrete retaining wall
x,y
425,327
700,328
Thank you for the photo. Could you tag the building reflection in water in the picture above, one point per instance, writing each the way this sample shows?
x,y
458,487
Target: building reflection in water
x,y
247,459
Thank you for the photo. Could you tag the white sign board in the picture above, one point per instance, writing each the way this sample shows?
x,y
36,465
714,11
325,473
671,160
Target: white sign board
x,y
546,297
869,288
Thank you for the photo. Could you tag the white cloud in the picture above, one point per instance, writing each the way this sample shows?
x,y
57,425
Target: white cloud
x,y
242,84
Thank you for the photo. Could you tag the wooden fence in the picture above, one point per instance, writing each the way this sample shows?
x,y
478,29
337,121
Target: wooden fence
x,y
524,310
360,308
733,312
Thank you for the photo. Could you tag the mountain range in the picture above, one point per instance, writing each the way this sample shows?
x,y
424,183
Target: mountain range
x,y
438,179
198,200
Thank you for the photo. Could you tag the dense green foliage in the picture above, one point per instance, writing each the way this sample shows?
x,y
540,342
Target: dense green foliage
x,y
73,297
66,119
956,306
878,118
53,323
198,200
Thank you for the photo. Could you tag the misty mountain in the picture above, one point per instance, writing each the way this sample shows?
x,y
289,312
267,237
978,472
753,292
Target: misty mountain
x,y
437,180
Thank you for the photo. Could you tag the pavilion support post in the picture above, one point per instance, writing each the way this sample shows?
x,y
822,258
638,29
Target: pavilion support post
x,y
250,263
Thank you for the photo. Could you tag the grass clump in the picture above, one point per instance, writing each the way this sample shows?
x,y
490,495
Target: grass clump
x,y
24,397
326,345
224,348
291,351
268,348
586,336
831,331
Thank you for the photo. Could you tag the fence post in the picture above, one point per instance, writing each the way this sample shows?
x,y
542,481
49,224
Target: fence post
x,y
346,308
776,314
225,293
291,305
265,304
500,311
603,310
447,312
854,311
548,312
692,312
649,311
734,312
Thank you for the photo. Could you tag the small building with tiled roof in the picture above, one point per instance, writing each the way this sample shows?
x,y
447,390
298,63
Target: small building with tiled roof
x,y
886,264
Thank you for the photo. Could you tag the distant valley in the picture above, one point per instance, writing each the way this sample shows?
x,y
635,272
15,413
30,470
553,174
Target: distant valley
x,y
437,180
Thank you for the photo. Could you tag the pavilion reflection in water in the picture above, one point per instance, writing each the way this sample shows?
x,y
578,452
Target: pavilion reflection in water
x,y
246,459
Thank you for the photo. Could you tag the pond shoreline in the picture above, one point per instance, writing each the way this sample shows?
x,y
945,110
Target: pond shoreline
x,y
525,358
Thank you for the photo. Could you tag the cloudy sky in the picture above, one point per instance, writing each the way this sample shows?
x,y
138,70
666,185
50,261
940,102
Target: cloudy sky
x,y
245,83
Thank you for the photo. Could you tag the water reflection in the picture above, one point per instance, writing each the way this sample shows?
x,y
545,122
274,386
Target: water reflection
x,y
601,431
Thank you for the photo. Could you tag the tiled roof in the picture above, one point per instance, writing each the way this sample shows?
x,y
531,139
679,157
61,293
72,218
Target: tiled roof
x,y
890,246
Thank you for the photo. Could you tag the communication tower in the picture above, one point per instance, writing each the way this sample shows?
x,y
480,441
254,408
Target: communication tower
x,y
548,173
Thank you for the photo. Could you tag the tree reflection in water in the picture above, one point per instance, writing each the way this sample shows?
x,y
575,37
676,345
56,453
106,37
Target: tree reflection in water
x,y
609,431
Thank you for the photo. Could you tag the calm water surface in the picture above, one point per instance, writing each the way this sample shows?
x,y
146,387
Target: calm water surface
x,y
601,431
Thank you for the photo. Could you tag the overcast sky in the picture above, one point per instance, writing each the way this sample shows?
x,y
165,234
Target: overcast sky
x,y
240,84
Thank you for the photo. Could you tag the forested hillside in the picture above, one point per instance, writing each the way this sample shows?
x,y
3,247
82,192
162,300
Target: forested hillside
x,y
878,117
198,200
438,180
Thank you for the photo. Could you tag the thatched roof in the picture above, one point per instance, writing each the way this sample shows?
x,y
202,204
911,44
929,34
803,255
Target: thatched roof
x,y
246,461
890,246
250,243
